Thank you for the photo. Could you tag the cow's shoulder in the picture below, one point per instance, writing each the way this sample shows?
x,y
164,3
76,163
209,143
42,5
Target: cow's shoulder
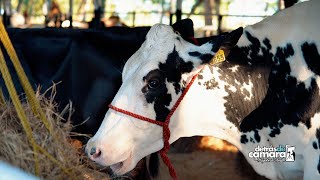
x,y
291,50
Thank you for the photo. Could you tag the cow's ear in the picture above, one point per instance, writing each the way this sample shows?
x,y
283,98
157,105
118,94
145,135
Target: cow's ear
x,y
207,53
184,27
231,40
226,41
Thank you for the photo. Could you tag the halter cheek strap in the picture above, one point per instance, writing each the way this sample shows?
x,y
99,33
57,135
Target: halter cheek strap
x,y
164,125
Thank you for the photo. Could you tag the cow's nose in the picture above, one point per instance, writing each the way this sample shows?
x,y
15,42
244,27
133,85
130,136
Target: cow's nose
x,y
95,153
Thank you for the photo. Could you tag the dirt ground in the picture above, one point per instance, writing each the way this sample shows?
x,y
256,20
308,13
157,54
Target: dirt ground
x,y
213,159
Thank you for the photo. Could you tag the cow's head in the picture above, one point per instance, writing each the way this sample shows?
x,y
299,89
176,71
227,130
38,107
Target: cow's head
x,y
153,79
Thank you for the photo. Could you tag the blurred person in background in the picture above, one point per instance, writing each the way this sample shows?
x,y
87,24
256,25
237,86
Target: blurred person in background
x,y
54,15
114,20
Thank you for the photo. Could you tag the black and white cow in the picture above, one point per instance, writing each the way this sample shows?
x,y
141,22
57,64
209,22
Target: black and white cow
x,y
265,94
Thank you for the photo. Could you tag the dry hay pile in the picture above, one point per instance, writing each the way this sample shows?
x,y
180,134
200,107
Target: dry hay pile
x,y
16,150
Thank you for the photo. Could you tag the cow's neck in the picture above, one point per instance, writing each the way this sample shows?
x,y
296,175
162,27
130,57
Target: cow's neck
x,y
220,98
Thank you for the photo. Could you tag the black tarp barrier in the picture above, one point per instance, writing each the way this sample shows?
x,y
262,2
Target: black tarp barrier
x,y
86,64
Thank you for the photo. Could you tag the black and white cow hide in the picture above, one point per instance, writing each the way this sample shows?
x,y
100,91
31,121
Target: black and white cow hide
x,y
266,94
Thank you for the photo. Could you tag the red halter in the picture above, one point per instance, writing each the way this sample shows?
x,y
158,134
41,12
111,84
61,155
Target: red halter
x,y
164,125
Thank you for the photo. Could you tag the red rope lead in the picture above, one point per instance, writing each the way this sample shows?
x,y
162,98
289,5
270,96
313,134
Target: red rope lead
x,y
137,116
164,125
166,132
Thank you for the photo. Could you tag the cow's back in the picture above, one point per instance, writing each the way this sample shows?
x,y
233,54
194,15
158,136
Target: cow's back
x,y
299,23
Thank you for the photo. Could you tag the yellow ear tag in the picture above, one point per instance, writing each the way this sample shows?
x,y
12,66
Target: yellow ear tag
x,y
218,57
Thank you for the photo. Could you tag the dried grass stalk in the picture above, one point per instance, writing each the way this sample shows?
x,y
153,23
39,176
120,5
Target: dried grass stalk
x,y
16,150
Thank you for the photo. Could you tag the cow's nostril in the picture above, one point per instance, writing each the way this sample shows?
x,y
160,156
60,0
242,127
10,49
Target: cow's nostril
x,y
95,152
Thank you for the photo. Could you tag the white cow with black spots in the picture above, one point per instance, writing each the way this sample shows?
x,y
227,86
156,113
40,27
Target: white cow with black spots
x,y
265,94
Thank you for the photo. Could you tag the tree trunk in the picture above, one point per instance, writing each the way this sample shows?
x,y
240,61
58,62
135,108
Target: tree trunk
x,y
8,7
45,10
179,10
7,12
219,17
103,4
19,6
194,7
162,11
81,9
30,8
70,12
97,4
208,13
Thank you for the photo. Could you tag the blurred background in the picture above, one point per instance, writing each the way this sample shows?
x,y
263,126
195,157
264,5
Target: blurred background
x,y
210,17
84,66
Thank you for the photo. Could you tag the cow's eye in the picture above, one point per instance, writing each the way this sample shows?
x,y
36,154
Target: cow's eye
x,y
154,83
